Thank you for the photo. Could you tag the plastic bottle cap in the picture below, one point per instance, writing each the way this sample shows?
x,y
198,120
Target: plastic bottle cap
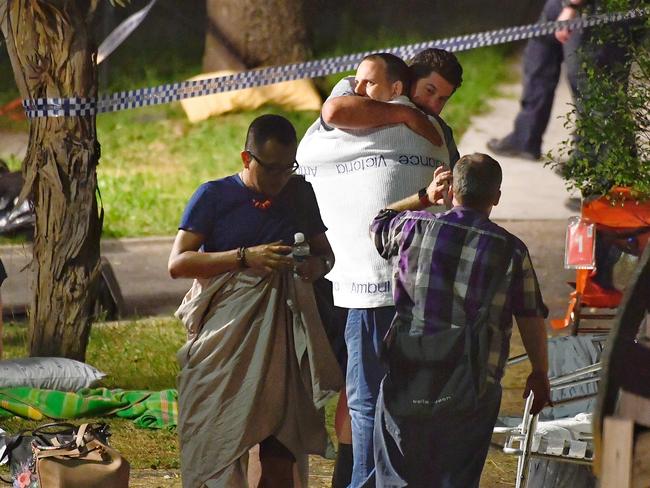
x,y
299,238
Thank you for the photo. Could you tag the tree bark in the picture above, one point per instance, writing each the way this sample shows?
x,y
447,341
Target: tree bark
x,y
249,33
52,55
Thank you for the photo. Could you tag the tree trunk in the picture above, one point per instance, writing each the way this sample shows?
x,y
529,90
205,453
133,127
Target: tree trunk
x,y
52,56
249,33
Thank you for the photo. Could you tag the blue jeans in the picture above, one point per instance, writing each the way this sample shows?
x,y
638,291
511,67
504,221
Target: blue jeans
x,y
434,452
364,334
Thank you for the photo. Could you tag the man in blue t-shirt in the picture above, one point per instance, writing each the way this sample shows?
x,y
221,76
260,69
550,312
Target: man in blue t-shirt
x,y
248,220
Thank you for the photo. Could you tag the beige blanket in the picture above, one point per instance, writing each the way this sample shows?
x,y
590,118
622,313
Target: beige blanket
x,y
257,364
290,95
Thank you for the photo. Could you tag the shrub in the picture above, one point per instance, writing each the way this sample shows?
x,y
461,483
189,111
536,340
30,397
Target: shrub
x,y
611,120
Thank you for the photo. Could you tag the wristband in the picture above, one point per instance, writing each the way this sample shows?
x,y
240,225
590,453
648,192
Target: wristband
x,y
424,198
241,257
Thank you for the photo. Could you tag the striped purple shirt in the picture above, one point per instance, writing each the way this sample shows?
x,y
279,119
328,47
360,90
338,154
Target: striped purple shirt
x,y
442,268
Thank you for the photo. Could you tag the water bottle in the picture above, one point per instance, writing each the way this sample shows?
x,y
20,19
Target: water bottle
x,y
300,249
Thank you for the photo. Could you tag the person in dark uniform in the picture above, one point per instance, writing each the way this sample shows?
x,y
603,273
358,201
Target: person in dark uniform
x,y
542,61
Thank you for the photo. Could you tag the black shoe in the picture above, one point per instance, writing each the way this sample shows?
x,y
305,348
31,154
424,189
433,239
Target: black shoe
x,y
503,147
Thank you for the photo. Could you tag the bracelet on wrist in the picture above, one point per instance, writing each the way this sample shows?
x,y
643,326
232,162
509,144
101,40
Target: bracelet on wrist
x,y
241,257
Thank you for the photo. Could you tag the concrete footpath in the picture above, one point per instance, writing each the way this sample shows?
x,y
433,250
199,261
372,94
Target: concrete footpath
x,y
530,190
532,207
140,267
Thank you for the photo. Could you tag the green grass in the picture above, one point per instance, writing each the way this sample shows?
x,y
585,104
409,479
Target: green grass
x,y
483,71
136,355
156,449
139,355
153,159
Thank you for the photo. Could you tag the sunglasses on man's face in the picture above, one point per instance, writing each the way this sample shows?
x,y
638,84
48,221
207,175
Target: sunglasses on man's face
x,y
274,168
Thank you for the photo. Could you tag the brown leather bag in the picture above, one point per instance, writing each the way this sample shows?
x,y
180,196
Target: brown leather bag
x,y
84,462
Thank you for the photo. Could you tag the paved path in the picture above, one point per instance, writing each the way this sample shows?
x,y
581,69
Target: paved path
x,y
529,190
140,267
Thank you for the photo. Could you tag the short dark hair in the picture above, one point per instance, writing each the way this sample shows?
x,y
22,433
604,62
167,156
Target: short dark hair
x,y
396,68
442,62
269,126
477,179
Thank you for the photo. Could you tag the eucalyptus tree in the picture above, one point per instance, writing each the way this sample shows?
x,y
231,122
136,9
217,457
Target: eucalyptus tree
x,y
52,51
244,34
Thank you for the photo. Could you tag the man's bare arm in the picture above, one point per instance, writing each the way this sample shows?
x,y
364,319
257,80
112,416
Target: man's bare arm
x,y
185,260
436,190
355,112
533,335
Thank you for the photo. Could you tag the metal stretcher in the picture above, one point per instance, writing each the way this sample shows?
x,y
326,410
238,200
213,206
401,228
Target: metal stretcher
x,y
524,440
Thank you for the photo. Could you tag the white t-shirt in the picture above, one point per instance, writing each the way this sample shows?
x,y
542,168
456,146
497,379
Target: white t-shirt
x,y
356,173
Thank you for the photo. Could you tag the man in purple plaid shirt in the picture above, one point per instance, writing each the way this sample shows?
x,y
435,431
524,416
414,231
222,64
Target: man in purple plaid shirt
x,y
443,266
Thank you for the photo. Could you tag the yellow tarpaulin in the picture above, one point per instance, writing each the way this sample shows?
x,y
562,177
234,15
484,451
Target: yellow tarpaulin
x,y
292,95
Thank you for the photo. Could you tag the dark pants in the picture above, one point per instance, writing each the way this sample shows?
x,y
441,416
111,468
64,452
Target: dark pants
x,y
434,452
542,61
543,58
277,464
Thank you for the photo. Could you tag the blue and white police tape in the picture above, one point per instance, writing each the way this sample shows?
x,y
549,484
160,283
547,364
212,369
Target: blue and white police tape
x,y
72,107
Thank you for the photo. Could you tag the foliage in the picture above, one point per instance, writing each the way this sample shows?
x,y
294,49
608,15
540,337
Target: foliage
x,y
611,120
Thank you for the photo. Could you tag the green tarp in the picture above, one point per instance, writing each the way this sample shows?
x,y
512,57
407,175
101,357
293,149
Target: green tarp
x,y
148,409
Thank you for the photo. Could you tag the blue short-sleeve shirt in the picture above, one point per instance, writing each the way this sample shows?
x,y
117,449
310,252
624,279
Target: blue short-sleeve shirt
x,y
224,212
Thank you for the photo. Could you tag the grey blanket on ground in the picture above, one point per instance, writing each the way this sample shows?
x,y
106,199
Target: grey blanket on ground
x,y
257,364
